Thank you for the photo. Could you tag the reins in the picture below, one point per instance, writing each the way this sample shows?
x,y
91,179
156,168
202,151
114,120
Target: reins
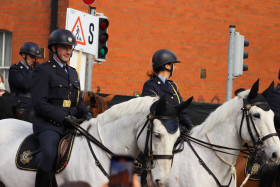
x,y
90,139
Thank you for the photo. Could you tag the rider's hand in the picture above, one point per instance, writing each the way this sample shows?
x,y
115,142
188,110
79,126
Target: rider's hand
x,y
88,116
70,121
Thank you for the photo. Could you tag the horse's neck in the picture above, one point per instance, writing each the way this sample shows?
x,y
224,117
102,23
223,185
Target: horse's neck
x,y
120,136
227,135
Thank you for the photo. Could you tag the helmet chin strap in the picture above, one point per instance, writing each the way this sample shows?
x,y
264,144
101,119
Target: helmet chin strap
x,y
170,70
59,57
25,60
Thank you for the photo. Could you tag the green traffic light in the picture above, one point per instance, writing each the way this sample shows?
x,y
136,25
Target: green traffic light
x,y
102,53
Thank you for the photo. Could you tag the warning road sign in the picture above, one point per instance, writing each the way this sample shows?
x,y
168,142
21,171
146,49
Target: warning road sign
x,y
78,32
85,28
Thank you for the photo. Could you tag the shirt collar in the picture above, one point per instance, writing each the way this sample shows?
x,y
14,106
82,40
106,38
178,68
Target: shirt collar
x,y
27,67
162,78
59,63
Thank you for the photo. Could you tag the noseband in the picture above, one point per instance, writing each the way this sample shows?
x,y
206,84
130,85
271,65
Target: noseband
x,y
257,144
141,162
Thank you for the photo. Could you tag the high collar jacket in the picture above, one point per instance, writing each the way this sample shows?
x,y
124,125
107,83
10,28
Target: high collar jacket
x,y
155,87
51,83
20,85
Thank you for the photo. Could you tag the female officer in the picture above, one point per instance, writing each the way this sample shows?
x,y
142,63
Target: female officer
x,y
159,85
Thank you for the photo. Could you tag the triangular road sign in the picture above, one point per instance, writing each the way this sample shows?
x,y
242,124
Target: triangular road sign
x,y
78,32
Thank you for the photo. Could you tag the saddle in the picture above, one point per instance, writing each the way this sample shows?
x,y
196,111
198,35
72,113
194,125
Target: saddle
x,y
29,148
255,167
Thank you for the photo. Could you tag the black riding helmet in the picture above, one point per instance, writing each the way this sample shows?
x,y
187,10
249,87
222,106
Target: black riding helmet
x,y
30,48
162,57
61,36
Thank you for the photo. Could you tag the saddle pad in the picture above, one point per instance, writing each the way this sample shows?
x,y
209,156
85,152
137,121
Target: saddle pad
x,y
29,146
257,169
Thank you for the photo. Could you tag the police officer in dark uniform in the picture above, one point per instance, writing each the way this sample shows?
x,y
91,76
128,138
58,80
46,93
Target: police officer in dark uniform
x,y
274,103
20,80
57,102
159,85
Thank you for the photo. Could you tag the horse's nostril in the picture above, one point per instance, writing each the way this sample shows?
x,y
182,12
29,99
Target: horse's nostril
x,y
274,155
157,181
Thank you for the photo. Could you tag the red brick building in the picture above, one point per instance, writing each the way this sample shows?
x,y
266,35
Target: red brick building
x,y
197,31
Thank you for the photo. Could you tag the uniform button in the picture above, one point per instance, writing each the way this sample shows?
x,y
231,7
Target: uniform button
x,y
158,82
171,97
70,84
60,86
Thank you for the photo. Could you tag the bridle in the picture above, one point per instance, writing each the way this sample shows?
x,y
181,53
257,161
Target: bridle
x,y
143,158
254,151
257,144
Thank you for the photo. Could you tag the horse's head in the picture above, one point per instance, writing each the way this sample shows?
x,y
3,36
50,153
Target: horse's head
x,y
96,103
156,142
258,126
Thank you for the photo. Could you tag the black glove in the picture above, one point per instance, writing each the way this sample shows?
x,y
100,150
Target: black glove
x,y
70,121
88,116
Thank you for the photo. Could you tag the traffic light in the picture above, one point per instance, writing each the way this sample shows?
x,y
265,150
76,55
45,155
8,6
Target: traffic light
x,y
239,54
101,49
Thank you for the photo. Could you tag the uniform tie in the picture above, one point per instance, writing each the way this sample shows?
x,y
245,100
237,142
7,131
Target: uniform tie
x,y
65,69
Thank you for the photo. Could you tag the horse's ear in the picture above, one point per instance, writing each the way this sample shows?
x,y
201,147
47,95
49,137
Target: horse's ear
x,y
109,98
161,103
183,105
254,90
268,91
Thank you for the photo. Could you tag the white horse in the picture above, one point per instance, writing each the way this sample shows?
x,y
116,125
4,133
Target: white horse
x,y
117,128
222,127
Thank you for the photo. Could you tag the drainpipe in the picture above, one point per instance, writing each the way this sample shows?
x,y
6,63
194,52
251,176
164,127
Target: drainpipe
x,y
53,23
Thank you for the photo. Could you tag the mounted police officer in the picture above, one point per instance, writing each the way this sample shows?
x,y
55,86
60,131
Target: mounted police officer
x,y
57,102
274,103
20,80
163,62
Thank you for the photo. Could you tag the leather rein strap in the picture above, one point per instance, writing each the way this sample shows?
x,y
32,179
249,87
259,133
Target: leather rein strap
x,y
205,166
90,138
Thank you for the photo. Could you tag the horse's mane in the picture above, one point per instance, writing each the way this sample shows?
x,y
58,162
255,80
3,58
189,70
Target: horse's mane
x,y
221,114
136,105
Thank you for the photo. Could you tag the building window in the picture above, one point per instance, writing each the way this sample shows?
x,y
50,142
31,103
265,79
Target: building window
x,y
5,55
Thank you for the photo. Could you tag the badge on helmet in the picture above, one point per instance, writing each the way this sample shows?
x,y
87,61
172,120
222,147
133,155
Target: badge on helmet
x,y
61,36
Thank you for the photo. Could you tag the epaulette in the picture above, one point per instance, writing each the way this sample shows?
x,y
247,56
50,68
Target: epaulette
x,y
45,63
71,67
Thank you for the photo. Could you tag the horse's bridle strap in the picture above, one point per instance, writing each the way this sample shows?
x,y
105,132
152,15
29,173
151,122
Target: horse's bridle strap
x,y
166,117
162,157
268,136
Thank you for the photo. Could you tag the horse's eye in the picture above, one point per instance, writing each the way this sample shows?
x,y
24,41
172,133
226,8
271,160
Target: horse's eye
x,y
157,135
257,115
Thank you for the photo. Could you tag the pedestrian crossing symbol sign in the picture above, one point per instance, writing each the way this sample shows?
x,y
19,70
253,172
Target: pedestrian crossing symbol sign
x,y
78,32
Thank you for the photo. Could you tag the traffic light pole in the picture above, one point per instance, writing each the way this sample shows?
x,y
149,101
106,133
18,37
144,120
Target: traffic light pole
x,y
230,62
89,65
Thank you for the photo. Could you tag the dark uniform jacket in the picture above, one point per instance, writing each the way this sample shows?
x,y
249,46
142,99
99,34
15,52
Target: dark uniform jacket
x,y
51,86
20,83
155,87
274,103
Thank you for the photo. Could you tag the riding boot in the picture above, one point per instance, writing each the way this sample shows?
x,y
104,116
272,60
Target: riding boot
x,y
43,178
